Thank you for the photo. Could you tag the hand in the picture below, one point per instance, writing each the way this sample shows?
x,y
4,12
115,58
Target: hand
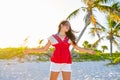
x,y
91,51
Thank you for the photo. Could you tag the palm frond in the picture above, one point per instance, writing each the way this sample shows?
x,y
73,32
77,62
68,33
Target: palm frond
x,y
99,29
104,47
85,1
110,22
118,26
101,26
115,17
116,43
95,44
102,1
117,35
93,19
92,31
89,3
116,6
111,10
40,41
115,14
73,14
104,8
84,8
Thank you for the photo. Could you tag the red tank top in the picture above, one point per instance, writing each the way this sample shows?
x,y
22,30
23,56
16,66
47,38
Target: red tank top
x,y
61,53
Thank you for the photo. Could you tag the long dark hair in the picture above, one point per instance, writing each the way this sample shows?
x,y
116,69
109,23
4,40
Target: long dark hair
x,y
70,33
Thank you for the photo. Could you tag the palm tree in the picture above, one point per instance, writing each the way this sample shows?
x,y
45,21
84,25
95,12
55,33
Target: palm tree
x,y
104,47
25,41
86,44
40,42
90,17
113,34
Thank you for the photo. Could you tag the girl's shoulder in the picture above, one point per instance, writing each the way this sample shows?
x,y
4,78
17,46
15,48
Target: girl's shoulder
x,y
52,39
51,36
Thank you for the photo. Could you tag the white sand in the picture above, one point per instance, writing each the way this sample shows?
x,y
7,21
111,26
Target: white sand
x,y
12,70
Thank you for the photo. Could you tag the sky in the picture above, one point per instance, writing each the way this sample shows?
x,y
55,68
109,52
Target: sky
x,y
37,19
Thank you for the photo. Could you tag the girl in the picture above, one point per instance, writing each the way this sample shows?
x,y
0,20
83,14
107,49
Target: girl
x,y
61,59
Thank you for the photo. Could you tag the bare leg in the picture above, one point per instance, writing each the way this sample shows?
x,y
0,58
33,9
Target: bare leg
x,y
66,75
54,75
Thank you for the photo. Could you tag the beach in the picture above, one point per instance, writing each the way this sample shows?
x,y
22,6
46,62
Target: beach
x,y
90,70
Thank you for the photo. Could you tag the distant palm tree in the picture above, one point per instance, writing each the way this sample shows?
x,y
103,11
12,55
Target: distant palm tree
x,y
112,34
25,41
86,44
40,42
104,47
90,18
113,31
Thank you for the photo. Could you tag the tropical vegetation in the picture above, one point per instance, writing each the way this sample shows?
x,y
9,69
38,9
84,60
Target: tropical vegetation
x,y
113,18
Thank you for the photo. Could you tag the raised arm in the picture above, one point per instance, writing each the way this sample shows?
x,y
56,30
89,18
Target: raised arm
x,y
83,49
39,49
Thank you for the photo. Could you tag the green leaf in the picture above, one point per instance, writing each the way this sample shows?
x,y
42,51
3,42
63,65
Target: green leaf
x,y
116,43
73,14
95,44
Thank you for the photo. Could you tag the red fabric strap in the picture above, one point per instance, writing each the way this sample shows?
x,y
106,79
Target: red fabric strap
x,y
59,40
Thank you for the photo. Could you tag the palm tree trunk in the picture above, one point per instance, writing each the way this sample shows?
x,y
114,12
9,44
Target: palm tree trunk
x,y
103,50
79,37
87,22
111,47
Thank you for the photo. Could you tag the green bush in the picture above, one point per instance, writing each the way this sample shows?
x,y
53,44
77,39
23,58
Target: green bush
x,y
8,53
116,60
95,57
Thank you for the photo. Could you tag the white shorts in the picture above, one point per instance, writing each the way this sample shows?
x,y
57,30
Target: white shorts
x,y
58,67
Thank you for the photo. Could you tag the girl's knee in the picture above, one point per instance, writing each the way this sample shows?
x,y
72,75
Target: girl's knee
x,y
54,75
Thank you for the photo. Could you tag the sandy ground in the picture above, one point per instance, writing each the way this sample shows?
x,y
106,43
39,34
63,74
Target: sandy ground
x,y
12,70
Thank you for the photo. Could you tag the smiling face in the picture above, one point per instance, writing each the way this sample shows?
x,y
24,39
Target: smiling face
x,y
64,26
